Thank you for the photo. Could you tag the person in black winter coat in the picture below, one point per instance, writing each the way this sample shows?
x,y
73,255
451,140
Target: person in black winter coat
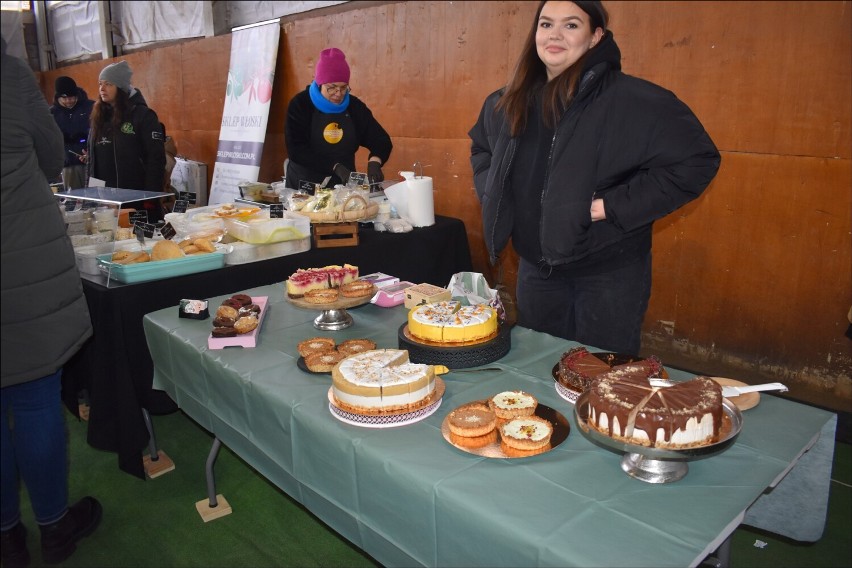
x,y
71,110
573,161
326,125
126,142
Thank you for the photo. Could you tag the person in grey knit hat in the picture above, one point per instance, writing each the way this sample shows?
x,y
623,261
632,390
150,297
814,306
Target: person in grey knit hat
x,y
118,74
126,141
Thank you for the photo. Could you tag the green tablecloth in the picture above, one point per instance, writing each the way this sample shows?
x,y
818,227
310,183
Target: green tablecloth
x,y
408,497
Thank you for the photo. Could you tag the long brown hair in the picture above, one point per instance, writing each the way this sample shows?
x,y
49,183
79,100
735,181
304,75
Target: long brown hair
x,y
530,75
106,118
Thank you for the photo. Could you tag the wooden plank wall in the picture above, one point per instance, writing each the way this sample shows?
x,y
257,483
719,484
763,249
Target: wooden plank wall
x,y
751,281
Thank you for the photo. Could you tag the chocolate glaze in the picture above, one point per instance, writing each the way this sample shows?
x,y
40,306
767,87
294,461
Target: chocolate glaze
x,y
631,399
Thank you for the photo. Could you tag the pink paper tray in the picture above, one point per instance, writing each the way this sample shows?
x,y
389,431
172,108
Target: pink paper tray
x,y
246,339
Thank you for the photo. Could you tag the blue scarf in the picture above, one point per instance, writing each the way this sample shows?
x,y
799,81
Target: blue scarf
x,y
325,105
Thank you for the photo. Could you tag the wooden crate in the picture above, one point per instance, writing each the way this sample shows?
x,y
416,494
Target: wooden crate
x,y
335,234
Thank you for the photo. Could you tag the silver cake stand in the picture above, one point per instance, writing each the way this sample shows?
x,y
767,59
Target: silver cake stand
x,y
657,465
333,316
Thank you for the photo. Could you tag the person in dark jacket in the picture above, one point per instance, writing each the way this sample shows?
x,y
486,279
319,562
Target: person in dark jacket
x,y
573,161
72,109
45,321
326,125
126,142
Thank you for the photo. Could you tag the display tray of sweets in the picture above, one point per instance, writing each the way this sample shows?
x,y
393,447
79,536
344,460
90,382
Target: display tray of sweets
x,y
389,418
354,208
490,445
159,269
246,340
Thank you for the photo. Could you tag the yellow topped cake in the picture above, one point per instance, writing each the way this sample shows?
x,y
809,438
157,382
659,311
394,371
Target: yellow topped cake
x,y
381,380
450,322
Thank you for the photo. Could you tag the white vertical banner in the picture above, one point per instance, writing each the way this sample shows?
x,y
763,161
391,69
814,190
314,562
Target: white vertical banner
x,y
254,51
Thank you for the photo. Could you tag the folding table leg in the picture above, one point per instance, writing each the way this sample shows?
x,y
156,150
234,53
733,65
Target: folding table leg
x,y
214,506
156,463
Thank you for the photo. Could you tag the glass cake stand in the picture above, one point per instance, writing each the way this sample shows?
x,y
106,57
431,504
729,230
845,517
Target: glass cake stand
x,y
658,465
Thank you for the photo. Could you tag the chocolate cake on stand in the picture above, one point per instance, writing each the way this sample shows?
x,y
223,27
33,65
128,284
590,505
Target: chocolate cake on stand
x,y
655,464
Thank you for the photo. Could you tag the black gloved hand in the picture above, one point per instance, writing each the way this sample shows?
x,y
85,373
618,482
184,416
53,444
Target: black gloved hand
x,y
374,172
342,172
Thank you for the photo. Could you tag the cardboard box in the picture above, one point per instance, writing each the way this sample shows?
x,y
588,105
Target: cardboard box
x,y
425,294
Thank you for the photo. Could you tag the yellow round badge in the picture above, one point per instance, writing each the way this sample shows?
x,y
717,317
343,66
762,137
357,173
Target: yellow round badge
x,y
332,133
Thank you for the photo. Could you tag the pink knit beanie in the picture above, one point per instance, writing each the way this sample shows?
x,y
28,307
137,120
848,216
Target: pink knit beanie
x,y
332,67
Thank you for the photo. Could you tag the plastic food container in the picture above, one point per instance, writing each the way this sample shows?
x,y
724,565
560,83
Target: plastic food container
x,y
260,231
242,253
159,269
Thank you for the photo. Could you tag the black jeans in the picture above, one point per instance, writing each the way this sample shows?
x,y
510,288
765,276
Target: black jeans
x,y
603,310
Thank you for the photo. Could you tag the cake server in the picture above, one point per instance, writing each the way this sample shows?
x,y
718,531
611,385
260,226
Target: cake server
x,y
442,369
730,392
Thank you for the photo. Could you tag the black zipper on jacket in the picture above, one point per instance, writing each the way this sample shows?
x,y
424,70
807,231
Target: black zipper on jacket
x,y
584,83
502,193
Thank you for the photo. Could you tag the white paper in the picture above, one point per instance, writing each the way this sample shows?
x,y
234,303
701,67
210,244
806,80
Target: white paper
x,y
95,182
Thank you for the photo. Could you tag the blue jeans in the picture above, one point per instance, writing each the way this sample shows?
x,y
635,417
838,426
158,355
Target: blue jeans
x,y
34,448
599,310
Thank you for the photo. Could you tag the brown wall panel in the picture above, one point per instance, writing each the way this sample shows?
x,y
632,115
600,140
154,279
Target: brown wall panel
x,y
752,280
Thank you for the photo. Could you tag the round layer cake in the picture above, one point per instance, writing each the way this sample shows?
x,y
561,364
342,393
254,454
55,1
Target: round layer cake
x,y
578,368
632,409
381,380
450,322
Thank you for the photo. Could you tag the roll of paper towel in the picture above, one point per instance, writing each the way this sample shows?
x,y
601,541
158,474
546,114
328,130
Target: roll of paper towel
x,y
413,199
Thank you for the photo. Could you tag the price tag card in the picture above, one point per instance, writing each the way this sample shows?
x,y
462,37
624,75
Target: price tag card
x,y
70,204
308,187
138,216
143,230
188,196
276,210
168,231
180,206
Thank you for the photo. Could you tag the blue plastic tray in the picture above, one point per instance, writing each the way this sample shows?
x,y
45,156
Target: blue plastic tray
x,y
159,269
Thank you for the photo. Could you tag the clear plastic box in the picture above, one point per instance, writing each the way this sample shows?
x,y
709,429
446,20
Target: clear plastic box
x,y
259,231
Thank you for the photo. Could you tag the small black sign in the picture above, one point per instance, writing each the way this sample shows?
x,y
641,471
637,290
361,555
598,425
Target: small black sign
x,y
276,210
140,216
188,196
168,231
308,187
70,205
143,230
180,206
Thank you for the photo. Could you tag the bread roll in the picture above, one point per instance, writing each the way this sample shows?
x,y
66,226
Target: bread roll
x,y
164,250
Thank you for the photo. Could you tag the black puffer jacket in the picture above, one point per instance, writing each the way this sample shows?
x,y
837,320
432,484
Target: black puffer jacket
x,y
74,124
624,139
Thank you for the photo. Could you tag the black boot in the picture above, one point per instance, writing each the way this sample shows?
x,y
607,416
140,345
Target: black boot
x,y
13,547
59,539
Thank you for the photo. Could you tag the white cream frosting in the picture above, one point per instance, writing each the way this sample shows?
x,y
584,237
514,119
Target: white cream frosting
x,y
509,399
524,428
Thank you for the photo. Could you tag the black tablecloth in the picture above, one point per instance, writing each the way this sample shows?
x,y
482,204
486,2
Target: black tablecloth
x,y
115,366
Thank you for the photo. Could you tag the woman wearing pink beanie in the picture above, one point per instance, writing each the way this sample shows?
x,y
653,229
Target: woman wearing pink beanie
x,y
326,125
